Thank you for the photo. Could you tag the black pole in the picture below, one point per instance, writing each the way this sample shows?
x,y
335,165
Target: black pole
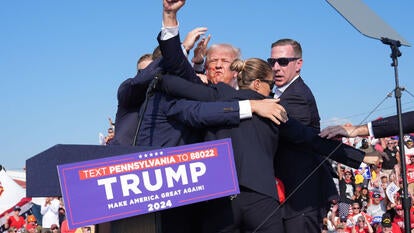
x,y
148,94
150,91
406,200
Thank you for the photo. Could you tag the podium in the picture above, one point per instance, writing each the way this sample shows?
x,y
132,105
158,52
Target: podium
x,y
43,181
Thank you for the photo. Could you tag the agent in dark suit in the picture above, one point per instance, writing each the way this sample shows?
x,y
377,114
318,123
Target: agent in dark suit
x,y
380,128
131,95
309,187
255,144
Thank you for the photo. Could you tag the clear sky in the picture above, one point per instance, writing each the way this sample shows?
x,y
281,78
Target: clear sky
x,y
61,62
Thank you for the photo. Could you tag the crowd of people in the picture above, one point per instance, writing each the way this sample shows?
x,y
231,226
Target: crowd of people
x,y
47,217
370,197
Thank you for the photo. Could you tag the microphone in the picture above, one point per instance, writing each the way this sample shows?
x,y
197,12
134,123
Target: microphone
x,y
154,83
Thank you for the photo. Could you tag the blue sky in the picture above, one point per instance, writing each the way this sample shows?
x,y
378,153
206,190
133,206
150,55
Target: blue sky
x,y
62,62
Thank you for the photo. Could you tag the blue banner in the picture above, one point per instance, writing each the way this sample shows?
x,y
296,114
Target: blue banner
x,y
107,189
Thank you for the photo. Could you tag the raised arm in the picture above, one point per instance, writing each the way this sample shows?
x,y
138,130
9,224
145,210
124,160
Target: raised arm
x,y
174,60
345,131
169,13
298,133
131,93
384,127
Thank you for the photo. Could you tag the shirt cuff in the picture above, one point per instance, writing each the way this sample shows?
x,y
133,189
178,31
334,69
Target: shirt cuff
x,y
371,132
245,109
184,51
168,32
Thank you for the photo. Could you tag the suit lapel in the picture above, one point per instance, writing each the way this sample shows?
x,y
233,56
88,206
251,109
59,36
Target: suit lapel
x,y
295,84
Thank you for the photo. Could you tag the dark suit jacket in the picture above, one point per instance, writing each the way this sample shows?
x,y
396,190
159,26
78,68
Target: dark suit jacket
x,y
131,94
389,126
293,164
254,147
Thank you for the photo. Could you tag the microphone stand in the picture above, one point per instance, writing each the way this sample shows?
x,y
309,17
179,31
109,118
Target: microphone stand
x,y
406,200
150,91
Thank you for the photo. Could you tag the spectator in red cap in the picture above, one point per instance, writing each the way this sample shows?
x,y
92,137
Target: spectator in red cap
x,y
399,217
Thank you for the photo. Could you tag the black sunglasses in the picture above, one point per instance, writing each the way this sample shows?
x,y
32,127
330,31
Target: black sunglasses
x,y
282,61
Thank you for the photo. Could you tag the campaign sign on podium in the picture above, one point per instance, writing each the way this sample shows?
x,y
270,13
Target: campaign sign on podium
x,y
117,187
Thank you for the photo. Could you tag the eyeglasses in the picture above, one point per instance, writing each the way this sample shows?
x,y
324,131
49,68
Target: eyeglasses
x,y
282,61
355,208
270,82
